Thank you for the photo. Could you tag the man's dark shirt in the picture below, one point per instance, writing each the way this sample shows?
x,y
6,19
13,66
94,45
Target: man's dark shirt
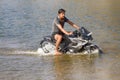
x,y
57,21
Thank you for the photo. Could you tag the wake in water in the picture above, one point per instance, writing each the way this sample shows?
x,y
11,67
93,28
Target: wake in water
x,y
29,52
38,52
25,52
6,51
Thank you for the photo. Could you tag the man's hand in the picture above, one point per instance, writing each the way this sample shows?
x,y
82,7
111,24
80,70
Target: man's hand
x,y
70,33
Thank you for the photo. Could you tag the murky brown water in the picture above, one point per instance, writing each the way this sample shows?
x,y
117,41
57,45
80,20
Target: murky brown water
x,y
24,23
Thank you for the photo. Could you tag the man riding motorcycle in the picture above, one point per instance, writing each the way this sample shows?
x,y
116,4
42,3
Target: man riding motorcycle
x,y
58,30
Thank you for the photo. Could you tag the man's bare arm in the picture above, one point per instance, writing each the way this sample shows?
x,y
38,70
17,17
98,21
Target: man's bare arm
x,y
72,24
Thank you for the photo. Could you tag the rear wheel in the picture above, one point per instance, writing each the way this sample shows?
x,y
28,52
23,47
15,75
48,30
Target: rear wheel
x,y
47,46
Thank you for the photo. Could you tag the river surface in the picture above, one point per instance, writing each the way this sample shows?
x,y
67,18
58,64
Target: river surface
x,y
23,23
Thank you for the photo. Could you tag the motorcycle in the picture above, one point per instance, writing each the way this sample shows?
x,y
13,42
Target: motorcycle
x,y
80,42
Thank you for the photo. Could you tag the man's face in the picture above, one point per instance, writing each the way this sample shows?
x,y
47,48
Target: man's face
x,y
62,15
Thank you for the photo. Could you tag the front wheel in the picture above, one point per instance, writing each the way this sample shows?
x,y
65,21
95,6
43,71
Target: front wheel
x,y
92,49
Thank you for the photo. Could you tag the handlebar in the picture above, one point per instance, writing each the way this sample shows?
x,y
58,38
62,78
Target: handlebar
x,y
83,33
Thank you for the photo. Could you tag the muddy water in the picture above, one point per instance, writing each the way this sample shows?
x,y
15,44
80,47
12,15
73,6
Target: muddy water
x,y
24,23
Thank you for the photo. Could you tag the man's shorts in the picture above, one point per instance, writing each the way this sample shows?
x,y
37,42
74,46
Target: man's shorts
x,y
54,33
64,37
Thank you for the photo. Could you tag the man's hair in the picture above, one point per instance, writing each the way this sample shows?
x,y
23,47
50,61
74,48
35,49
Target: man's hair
x,y
61,11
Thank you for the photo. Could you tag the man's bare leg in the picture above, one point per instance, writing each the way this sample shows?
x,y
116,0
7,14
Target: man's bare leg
x,y
58,39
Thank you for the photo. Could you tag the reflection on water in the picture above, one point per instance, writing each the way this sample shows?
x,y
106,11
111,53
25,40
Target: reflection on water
x,y
24,23
66,67
77,67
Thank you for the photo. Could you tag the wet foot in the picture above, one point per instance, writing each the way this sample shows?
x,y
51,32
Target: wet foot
x,y
57,53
